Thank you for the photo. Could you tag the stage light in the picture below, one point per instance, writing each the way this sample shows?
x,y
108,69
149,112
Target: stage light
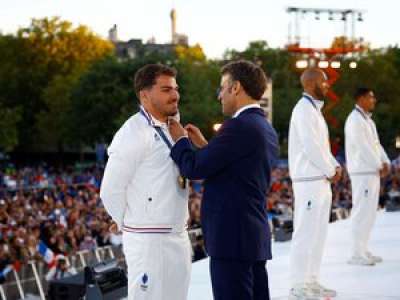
x,y
335,64
301,64
216,127
397,142
323,64
317,16
360,18
343,17
330,16
353,65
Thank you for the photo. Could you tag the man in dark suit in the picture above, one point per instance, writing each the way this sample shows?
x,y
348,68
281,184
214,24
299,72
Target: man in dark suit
x,y
236,166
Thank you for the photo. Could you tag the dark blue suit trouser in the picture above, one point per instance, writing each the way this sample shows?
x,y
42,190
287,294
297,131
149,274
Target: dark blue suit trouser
x,y
239,280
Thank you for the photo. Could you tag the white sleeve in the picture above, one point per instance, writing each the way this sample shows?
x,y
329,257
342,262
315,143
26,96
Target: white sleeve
x,y
334,161
312,144
356,133
125,154
382,153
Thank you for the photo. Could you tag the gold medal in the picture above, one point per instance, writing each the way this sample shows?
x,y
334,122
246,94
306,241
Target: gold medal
x,y
182,181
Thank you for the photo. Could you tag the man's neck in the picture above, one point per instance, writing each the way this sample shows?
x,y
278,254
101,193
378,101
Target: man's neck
x,y
156,115
363,108
311,93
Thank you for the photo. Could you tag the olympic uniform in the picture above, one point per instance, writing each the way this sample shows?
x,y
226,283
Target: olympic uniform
x,y
365,156
141,192
311,163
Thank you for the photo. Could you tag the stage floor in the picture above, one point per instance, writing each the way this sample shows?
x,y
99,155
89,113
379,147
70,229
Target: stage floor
x,y
379,282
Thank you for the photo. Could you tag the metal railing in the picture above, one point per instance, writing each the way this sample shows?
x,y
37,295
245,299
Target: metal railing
x,y
30,279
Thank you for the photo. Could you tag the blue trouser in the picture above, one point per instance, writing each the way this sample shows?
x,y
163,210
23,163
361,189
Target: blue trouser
x,y
239,280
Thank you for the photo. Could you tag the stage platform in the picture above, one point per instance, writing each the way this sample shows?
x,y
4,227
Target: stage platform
x,y
379,282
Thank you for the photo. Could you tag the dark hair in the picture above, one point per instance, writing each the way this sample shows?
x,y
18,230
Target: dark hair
x,y
146,76
251,77
360,92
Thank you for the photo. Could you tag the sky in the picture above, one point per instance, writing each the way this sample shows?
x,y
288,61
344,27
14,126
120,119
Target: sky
x,y
216,25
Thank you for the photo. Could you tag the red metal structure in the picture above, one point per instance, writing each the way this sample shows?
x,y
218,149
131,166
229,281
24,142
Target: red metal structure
x,y
346,44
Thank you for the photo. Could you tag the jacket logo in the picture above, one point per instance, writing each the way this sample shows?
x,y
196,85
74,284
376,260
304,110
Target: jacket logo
x,y
144,286
309,204
156,137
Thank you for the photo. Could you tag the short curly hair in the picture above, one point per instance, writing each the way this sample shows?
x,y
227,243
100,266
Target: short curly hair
x,y
146,76
251,77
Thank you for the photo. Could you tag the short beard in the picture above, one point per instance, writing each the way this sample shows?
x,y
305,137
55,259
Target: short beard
x,y
318,93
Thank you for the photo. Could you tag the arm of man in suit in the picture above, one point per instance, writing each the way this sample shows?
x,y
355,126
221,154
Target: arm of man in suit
x,y
231,144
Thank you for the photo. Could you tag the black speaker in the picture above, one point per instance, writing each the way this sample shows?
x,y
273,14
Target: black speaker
x,y
393,204
70,288
105,280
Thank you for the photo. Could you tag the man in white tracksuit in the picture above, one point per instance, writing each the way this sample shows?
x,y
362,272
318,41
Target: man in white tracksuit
x,y
145,195
312,169
366,162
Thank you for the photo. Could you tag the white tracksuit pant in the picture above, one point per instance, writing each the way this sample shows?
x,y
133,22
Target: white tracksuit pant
x,y
159,265
312,204
365,197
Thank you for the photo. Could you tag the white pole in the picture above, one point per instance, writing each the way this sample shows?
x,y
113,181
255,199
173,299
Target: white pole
x,y
18,281
2,293
82,258
96,252
38,282
111,252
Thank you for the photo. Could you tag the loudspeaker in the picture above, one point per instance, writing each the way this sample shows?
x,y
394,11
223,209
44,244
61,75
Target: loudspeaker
x,y
393,204
105,281
70,288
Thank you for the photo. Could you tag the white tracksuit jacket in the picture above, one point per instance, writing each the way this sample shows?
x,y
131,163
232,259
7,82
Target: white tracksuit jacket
x,y
364,152
140,187
310,156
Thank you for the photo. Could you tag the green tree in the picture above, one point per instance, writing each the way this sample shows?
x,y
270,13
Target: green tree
x,y
33,61
9,118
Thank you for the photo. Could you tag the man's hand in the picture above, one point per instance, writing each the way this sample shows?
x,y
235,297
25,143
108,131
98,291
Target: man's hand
x,y
337,175
196,136
175,129
385,170
113,228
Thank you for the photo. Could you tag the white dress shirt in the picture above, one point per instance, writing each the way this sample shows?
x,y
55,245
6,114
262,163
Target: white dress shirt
x,y
239,111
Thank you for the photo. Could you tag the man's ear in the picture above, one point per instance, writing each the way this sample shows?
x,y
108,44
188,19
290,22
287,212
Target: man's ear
x,y
236,87
143,96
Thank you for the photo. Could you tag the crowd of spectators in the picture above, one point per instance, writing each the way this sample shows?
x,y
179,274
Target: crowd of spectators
x,y
62,207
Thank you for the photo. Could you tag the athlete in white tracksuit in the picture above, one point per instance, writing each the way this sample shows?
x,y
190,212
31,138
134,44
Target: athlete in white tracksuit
x,y
141,192
311,165
365,159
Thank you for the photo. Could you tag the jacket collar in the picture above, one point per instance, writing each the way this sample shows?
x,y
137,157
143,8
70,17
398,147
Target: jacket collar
x,y
246,107
150,119
363,112
318,104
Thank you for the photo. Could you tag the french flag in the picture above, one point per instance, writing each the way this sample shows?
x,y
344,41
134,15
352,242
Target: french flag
x,y
6,270
47,253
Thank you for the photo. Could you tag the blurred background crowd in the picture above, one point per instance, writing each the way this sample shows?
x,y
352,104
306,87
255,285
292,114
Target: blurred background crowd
x,y
62,207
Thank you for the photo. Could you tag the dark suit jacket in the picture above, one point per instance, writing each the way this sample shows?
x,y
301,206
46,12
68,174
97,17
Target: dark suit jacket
x,y
236,166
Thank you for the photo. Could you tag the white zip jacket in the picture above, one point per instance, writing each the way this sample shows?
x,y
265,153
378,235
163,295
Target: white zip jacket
x,y
364,152
140,187
310,156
